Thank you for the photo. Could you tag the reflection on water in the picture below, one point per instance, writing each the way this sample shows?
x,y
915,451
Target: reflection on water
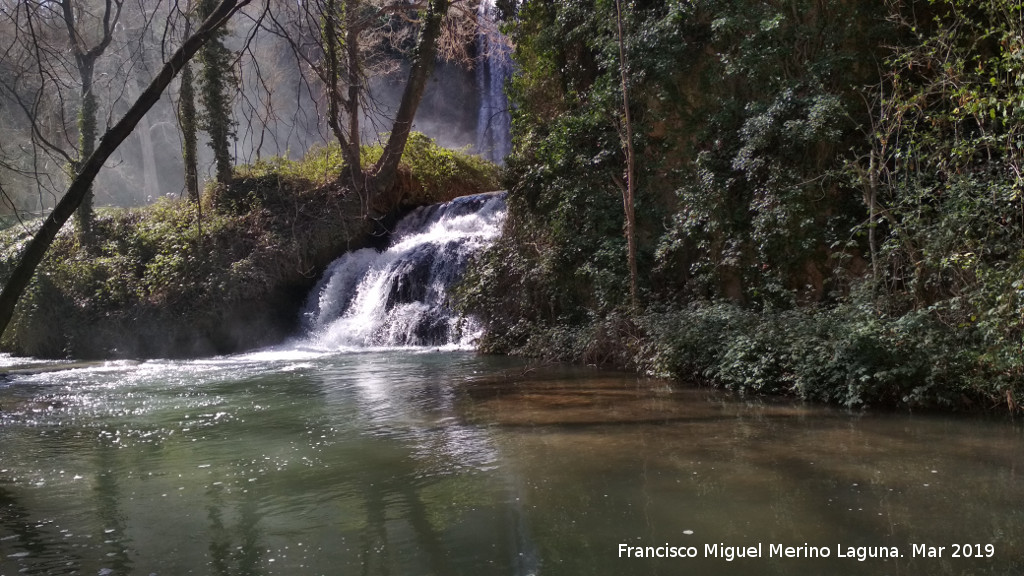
x,y
291,462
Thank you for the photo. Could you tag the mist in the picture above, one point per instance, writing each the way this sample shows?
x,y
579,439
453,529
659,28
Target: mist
x,y
277,110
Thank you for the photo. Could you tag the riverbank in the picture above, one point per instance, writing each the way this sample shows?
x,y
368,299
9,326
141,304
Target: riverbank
x,y
847,354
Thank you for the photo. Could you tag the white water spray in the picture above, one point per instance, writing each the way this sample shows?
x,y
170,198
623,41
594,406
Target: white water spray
x,y
399,297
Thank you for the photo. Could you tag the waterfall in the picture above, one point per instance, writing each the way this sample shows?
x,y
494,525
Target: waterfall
x,y
399,297
493,127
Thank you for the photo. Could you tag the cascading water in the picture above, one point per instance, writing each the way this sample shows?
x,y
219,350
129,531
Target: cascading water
x,y
398,297
493,128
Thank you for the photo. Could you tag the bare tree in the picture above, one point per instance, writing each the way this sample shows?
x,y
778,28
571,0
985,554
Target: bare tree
x,y
345,42
86,53
382,175
58,91
81,184
52,51
36,94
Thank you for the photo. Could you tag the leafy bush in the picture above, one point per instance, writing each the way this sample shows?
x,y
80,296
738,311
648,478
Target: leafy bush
x,y
440,173
847,354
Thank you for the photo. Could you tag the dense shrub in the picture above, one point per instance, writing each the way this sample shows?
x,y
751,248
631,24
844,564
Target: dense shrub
x,y
845,354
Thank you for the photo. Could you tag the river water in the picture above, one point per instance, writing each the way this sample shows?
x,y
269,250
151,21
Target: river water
x,y
393,462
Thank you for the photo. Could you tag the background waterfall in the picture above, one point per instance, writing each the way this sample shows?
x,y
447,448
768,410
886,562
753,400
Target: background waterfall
x,y
493,129
399,297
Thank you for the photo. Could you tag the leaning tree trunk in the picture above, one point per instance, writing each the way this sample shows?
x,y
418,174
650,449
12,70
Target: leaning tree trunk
x,y
79,188
385,171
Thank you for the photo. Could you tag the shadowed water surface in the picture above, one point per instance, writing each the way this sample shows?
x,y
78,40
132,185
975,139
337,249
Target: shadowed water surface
x,y
415,462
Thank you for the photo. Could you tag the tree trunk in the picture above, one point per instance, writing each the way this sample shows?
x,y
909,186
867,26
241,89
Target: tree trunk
x,y
386,169
187,119
190,143
79,188
217,74
337,21
86,146
85,61
333,72
353,78
872,216
630,191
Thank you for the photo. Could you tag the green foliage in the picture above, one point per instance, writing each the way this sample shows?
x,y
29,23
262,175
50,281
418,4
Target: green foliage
x,y
319,166
438,172
848,354
150,271
735,133
563,243
760,168
758,201
946,153
435,172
